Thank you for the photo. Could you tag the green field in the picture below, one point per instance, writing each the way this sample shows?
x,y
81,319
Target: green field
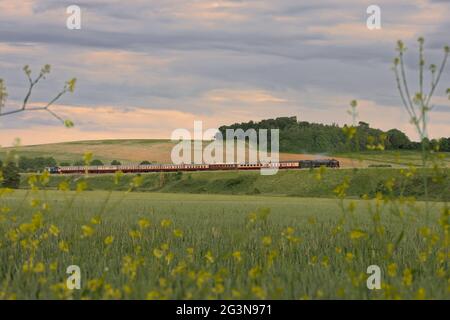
x,y
137,150
295,183
173,246
394,158
299,234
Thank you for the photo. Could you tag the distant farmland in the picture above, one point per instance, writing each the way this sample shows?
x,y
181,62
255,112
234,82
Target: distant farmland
x,y
135,151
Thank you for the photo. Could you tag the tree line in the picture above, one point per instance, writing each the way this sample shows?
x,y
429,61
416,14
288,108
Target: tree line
x,y
301,136
38,164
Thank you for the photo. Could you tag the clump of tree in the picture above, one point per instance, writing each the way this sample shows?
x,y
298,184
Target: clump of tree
x,y
444,144
36,164
82,163
10,175
116,163
96,162
302,136
145,162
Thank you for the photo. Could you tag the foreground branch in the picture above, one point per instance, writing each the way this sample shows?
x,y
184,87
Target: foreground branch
x,y
68,87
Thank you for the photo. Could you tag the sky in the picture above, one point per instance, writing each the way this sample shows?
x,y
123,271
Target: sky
x,y
147,67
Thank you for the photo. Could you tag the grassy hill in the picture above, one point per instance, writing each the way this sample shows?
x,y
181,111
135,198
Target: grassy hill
x,y
134,151
298,183
126,151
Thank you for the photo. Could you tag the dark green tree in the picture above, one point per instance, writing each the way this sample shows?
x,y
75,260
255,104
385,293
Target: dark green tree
x,y
397,139
115,163
96,162
11,176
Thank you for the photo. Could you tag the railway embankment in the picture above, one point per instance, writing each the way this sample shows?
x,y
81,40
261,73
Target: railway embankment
x,y
298,183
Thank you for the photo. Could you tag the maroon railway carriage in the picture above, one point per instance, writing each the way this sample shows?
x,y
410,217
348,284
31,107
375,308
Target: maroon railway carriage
x,y
302,164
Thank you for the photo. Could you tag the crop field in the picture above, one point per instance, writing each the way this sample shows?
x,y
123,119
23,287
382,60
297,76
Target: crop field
x,y
293,183
394,158
191,246
159,151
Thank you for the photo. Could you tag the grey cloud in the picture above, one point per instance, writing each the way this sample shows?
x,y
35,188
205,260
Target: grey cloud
x,y
258,52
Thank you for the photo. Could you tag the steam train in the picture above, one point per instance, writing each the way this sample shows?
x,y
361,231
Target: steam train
x,y
299,164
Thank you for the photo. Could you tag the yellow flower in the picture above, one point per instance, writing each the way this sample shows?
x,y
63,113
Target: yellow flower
x,y
54,266
64,186
135,234
235,294
94,284
340,292
356,234
271,256
127,289
325,261
254,272
349,257
12,235
178,233
209,257
288,231
27,228
390,249
110,292
218,289
190,251
109,240
267,241
313,260
96,220
237,256
165,223
157,253
37,220
407,277
423,256
87,231
162,282
54,231
63,246
169,257
259,292
144,223
420,295
153,295
35,203
392,270
338,250
441,272
39,268
425,232
27,266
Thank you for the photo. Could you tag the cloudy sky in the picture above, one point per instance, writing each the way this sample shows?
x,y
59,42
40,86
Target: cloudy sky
x,y
147,67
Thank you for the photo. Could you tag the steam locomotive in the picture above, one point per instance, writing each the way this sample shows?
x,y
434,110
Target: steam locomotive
x,y
299,164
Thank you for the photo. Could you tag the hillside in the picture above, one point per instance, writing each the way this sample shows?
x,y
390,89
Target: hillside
x,y
301,136
129,151
135,151
299,183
